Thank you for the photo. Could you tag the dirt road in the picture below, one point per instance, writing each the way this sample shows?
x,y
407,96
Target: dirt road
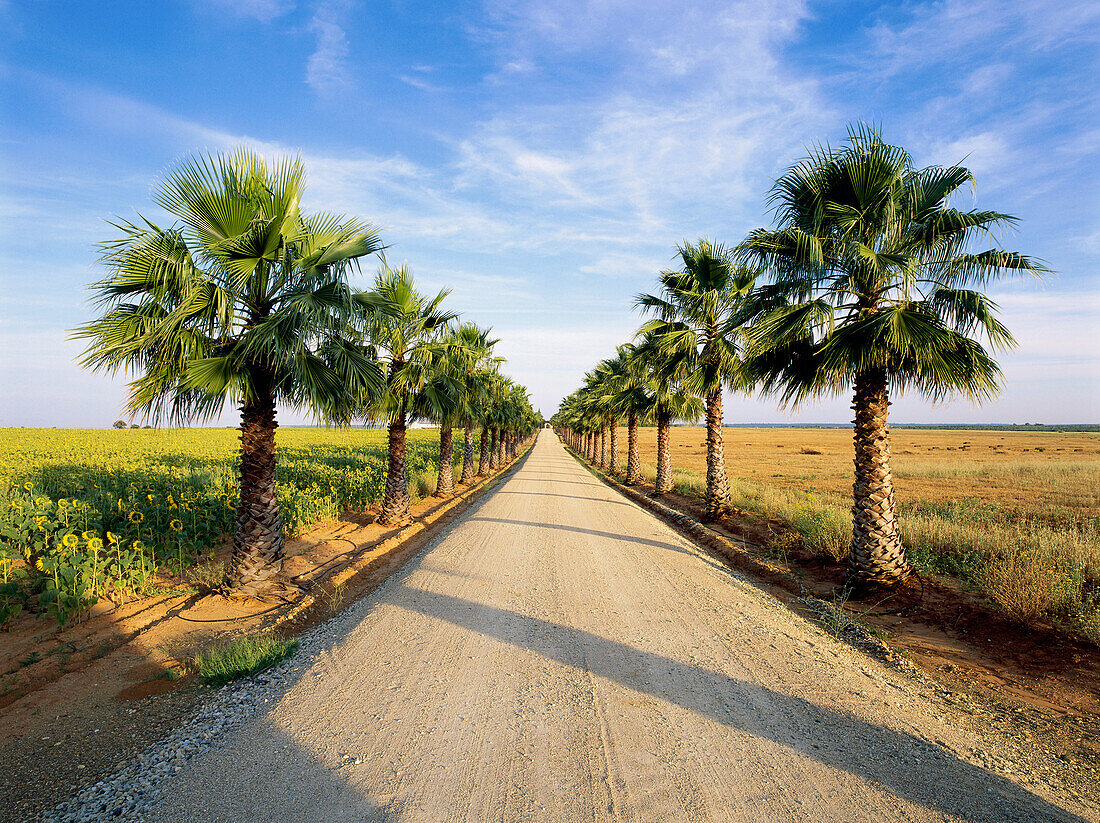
x,y
561,655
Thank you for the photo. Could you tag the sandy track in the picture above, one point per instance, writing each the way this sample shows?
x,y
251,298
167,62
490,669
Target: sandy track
x,y
561,655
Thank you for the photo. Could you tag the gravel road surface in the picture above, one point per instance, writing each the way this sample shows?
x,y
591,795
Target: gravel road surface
x,y
562,655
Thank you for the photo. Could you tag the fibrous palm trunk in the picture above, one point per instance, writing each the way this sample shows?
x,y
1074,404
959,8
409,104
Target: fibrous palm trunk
x,y
258,540
663,483
633,462
877,556
603,448
395,505
467,454
494,451
718,487
445,481
501,436
613,447
483,453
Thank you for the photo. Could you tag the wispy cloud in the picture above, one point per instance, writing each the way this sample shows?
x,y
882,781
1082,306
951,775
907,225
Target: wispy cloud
x,y
327,70
262,10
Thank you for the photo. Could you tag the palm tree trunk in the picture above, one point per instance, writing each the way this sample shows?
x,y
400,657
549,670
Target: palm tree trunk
x,y
468,455
613,438
633,463
483,458
501,434
877,556
395,505
494,451
445,482
603,447
663,483
718,487
258,540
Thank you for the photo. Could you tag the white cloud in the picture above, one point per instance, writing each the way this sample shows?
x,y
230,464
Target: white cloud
x,y
327,70
262,10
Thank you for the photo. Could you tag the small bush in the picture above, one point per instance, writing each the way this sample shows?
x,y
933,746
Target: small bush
x,y
422,485
242,656
824,529
809,451
206,577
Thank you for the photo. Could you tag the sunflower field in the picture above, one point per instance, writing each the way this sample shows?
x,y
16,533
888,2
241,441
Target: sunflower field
x,y
86,514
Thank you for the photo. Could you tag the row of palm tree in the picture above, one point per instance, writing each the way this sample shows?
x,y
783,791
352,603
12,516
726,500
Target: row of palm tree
x,y
869,280
248,298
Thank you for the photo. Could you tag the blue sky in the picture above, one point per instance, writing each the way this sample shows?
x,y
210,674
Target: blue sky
x,y
543,159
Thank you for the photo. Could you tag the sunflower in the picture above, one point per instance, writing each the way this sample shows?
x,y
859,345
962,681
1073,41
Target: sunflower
x,y
95,544
136,517
69,541
176,526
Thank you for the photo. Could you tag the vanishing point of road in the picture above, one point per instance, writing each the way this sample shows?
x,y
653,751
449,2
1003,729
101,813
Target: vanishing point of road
x,y
561,655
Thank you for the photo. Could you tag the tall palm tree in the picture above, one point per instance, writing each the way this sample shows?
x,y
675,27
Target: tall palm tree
x,y
874,282
402,326
450,395
671,395
597,407
700,314
630,395
245,298
478,366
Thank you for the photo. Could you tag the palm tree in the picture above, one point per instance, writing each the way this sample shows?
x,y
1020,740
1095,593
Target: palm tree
x,y
597,408
450,395
700,314
630,395
478,367
247,299
873,282
402,325
670,394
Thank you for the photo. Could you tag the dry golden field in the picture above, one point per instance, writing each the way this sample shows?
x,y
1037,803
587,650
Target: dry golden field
x,y
1049,475
1015,514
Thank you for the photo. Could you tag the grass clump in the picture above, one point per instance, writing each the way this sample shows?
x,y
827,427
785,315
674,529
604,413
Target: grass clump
x,y
422,484
242,656
207,577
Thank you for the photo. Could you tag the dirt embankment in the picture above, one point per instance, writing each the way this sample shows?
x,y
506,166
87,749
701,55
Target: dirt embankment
x,y
78,702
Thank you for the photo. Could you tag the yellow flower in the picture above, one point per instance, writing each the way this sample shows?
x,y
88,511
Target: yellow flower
x,y
69,541
176,526
38,563
28,486
95,544
86,535
112,537
136,517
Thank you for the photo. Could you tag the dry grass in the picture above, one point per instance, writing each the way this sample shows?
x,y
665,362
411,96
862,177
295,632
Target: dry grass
x,y
1015,514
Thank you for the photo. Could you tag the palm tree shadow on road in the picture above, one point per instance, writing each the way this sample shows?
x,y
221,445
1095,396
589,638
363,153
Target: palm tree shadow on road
x,y
660,544
946,784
